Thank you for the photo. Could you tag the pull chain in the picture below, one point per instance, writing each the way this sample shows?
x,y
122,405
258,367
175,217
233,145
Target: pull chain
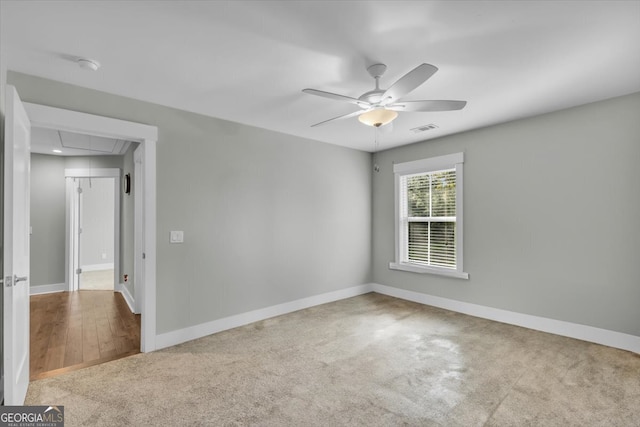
x,y
376,168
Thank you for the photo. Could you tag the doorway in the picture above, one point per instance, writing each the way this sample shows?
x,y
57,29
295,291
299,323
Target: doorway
x,y
93,227
20,118
89,321
147,136
95,231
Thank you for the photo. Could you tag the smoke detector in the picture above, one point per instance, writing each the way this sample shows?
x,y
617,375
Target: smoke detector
x,y
88,64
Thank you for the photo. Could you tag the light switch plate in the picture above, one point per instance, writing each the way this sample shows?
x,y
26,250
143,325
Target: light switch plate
x,y
176,237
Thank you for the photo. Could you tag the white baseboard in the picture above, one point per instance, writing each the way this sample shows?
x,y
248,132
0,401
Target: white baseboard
x,y
47,289
120,287
96,267
558,327
198,331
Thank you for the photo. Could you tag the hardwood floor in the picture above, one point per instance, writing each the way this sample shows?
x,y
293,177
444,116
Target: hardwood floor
x,y
72,330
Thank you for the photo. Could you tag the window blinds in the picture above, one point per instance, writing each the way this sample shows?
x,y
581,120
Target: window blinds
x,y
428,217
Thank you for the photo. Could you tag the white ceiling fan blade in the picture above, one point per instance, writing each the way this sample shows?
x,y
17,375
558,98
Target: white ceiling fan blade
x,y
427,105
346,116
409,82
362,104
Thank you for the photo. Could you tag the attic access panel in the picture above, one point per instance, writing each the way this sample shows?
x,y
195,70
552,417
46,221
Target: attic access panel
x,y
92,143
51,141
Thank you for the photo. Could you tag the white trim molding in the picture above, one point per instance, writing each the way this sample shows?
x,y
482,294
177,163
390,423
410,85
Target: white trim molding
x,y
47,289
558,327
552,326
198,331
73,121
402,220
413,268
98,267
43,116
128,298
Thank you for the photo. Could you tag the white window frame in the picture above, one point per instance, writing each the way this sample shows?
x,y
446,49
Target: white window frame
x,y
433,164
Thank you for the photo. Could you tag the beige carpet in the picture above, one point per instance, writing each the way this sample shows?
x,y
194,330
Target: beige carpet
x,y
97,280
371,360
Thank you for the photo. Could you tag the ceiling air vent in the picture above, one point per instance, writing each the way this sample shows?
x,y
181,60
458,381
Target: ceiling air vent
x,y
424,128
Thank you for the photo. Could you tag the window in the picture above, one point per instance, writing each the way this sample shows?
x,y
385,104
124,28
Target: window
x,y
429,216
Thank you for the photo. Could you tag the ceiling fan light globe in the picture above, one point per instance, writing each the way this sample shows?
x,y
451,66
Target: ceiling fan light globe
x,y
378,117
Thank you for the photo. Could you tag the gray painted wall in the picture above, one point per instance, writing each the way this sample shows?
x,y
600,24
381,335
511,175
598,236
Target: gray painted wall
x,y
88,162
48,213
551,208
268,218
47,220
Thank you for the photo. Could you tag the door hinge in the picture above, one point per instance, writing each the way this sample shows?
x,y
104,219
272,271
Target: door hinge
x,y
78,271
79,190
144,256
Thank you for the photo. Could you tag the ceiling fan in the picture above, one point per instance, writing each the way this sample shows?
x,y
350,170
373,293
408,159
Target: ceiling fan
x,y
379,106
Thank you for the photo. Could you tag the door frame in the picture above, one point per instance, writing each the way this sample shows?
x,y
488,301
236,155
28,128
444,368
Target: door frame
x,y
138,229
71,278
72,121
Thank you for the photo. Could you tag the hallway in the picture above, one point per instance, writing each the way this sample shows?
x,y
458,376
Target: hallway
x,y
73,330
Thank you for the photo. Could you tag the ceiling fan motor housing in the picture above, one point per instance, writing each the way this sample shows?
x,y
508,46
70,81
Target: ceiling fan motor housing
x,y
377,70
372,97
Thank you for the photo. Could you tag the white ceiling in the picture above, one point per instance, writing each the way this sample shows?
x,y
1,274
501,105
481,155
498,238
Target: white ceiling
x,y
247,61
62,143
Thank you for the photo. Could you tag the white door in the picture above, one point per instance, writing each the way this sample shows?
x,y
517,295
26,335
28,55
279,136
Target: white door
x,y
17,165
98,233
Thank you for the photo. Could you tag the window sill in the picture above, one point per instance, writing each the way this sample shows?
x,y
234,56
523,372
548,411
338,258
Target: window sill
x,y
428,270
